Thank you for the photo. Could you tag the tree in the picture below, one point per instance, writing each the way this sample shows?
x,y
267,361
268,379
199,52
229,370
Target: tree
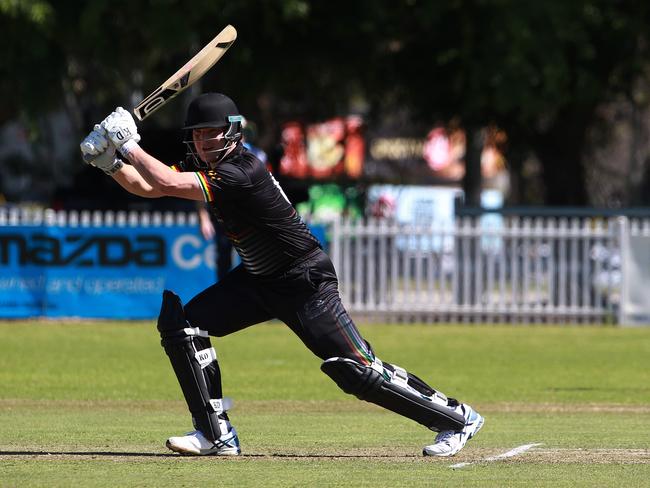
x,y
538,70
28,29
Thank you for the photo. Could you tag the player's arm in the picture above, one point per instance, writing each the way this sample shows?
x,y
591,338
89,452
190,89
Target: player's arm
x,y
148,177
205,222
99,152
129,179
161,178
121,130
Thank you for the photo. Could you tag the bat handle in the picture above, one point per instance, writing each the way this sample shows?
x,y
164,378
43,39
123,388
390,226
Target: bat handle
x,y
137,114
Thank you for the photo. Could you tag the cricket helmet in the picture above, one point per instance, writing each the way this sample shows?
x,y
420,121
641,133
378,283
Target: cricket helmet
x,y
213,110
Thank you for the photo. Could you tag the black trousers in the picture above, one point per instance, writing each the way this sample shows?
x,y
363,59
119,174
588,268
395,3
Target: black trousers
x,y
305,298
223,249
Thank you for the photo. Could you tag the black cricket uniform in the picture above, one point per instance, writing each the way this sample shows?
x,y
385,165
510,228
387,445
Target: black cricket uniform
x,y
283,274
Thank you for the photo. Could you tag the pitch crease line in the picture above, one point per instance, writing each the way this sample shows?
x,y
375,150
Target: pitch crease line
x,y
511,453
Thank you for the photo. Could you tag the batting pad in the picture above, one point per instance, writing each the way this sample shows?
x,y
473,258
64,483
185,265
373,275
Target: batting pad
x,y
392,392
194,361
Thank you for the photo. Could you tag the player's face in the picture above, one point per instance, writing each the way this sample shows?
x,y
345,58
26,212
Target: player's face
x,y
209,143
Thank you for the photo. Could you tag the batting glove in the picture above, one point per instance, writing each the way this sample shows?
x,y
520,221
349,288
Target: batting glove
x,y
121,130
99,152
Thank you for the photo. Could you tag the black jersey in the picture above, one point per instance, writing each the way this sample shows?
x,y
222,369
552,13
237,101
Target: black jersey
x,y
261,223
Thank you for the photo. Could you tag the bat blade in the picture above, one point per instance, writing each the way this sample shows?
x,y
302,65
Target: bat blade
x,y
191,71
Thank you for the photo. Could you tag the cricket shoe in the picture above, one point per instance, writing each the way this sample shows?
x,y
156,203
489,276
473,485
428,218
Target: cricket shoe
x,y
449,442
195,444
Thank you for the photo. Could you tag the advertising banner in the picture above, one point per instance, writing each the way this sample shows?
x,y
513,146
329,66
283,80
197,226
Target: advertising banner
x,y
432,155
102,272
329,150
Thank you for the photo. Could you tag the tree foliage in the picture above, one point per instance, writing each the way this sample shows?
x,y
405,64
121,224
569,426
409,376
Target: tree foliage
x,y
537,69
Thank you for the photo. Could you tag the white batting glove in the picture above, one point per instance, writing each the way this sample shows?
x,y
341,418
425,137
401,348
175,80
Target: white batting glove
x,y
99,152
121,130
94,144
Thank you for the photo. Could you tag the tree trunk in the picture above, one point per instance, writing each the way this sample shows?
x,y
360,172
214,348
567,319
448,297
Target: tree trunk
x,y
560,152
472,179
517,189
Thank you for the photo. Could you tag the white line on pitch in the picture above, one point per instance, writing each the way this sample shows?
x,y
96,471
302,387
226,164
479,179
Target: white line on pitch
x,y
511,453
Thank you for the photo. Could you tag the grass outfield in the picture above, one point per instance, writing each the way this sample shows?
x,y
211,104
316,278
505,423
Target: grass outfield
x,y
91,404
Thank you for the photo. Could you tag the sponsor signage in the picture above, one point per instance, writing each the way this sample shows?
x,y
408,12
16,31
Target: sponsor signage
x,y
102,272
330,150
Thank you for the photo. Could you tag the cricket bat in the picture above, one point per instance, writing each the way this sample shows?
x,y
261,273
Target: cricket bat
x,y
192,71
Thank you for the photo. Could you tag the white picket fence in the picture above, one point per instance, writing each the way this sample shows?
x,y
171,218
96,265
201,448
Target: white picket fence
x,y
523,270
94,218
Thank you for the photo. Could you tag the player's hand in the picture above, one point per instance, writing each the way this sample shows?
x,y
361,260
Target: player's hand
x,y
99,152
94,144
207,229
121,130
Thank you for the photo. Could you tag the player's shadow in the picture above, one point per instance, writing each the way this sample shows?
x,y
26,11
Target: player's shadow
x,y
167,455
85,453
332,456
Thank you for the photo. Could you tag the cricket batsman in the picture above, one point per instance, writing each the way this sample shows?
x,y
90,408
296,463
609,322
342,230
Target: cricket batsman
x,y
284,274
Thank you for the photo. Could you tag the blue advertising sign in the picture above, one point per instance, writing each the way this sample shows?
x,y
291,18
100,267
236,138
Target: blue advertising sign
x,y
102,272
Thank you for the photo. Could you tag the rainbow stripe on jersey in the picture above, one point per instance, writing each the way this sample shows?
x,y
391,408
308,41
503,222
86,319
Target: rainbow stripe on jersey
x,y
208,194
205,186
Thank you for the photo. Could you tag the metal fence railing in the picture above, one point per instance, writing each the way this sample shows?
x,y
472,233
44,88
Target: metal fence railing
x,y
505,269
527,270
93,218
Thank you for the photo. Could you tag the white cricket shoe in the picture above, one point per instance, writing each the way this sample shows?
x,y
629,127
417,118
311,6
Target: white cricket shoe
x,y
195,444
449,442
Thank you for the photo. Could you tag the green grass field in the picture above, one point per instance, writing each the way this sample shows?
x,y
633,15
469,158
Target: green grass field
x,y
91,404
